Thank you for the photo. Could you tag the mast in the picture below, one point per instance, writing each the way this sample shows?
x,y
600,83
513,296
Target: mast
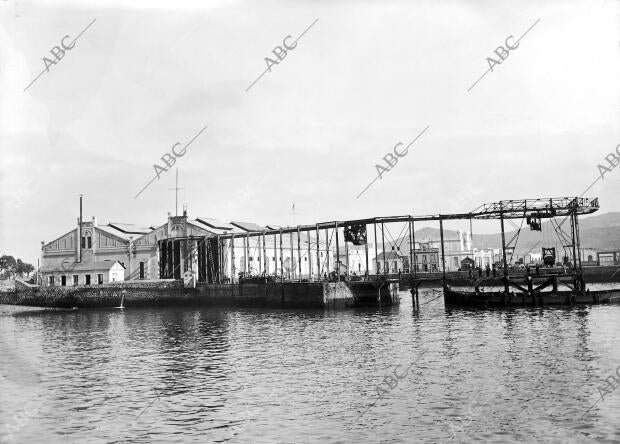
x,y
443,253
501,218
79,239
176,196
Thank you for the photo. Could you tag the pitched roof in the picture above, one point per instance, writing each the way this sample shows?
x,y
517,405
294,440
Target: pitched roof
x,y
69,267
248,226
214,223
116,232
129,228
213,227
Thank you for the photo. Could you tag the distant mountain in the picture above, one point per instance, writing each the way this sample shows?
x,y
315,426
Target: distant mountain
x,y
601,232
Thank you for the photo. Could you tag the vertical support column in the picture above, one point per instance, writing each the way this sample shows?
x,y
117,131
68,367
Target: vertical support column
x,y
367,272
170,270
327,250
259,254
309,258
337,253
576,280
415,256
233,267
385,270
346,254
182,256
376,251
247,253
194,260
223,259
299,251
471,237
219,256
501,218
281,258
275,255
582,285
573,241
265,271
443,252
578,241
318,253
410,245
292,267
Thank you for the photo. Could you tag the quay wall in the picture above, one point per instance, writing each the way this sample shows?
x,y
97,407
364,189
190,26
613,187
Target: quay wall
x,y
328,295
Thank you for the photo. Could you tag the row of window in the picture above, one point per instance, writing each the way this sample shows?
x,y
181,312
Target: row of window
x,y
258,259
76,280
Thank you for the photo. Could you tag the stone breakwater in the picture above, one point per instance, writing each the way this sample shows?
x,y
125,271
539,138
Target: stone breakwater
x,y
329,295
136,294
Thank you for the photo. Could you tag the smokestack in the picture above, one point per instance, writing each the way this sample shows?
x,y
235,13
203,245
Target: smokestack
x,y
79,239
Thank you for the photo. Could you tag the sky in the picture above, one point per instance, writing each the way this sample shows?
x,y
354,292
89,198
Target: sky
x,y
147,76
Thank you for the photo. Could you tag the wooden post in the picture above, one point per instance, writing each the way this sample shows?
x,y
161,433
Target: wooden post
x,y
573,241
346,253
292,267
376,252
410,245
582,285
471,237
415,257
443,251
281,258
309,258
578,241
327,249
275,255
219,260
247,252
233,268
383,248
318,253
264,255
367,272
337,253
299,251
501,218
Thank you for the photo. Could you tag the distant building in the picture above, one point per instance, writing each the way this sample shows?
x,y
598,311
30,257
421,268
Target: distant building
x,y
486,257
589,256
456,249
467,264
426,260
390,263
608,258
533,258
85,252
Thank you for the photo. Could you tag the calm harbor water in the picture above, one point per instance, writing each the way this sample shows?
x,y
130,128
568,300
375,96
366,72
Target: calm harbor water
x,y
391,375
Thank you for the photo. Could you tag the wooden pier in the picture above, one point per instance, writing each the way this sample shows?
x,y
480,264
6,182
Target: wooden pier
x,y
321,253
354,263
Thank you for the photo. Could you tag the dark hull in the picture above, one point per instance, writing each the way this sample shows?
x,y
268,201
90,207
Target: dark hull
x,y
500,299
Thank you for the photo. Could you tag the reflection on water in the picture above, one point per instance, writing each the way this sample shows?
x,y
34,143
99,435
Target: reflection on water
x,y
212,375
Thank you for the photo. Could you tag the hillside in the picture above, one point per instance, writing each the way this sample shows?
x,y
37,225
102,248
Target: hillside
x,y
601,232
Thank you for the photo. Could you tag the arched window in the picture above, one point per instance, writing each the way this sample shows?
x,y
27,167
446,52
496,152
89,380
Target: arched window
x,y
590,258
87,240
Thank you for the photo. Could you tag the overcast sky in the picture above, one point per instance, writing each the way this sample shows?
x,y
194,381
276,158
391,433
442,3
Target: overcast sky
x,y
366,76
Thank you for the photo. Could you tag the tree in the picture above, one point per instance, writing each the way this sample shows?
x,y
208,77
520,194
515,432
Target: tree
x,y
28,268
22,268
8,265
